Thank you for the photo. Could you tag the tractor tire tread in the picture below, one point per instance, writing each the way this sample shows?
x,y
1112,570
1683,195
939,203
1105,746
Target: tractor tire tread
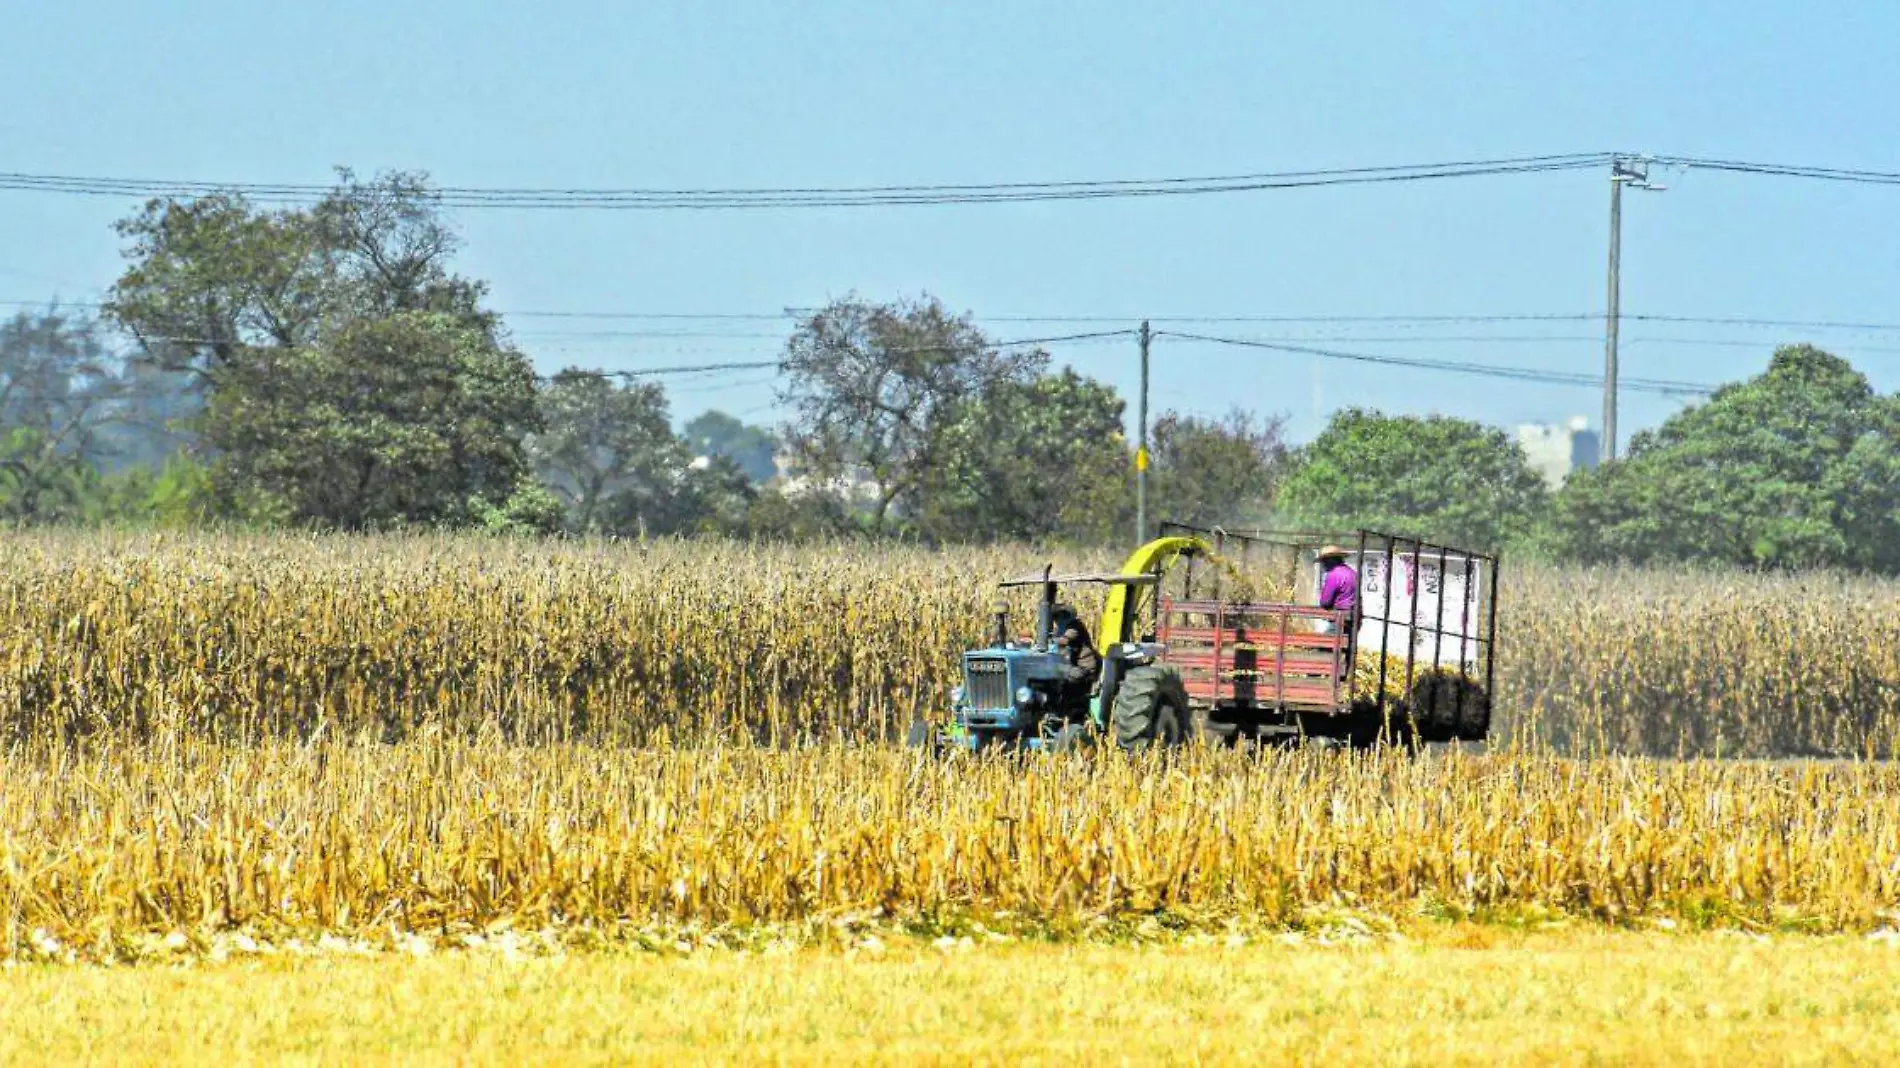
x,y
1151,707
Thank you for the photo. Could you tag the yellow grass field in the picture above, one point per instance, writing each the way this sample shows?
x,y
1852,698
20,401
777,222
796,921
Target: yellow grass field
x,y
1455,995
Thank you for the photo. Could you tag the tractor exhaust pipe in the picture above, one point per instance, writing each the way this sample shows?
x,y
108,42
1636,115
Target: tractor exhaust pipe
x,y
1045,609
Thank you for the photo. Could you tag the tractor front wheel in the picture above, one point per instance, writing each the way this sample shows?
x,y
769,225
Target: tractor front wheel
x,y
1072,738
1151,708
926,737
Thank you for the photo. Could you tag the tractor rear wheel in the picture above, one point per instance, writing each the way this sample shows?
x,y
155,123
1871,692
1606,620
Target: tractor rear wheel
x,y
1151,708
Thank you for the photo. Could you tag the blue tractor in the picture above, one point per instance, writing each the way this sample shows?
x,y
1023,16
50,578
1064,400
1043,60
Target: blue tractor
x,y
1162,669
1063,688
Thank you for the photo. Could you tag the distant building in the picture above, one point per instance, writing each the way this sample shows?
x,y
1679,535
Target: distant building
x,y
1555,451
855,486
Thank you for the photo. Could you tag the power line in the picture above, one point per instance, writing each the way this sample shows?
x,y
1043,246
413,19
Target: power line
x,y
753,365
728,198
687,369
1520,374
822,196
1777,170
1779,324
661,316
1396,321
1576,158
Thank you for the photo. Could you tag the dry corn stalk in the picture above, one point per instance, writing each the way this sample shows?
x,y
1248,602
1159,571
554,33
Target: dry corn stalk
x,y
288,637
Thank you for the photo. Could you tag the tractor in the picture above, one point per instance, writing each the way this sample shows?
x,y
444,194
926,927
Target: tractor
x,y
1413,664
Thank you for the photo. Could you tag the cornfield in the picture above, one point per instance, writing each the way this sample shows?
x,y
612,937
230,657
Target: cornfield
x,y
411,737
106,851
250,639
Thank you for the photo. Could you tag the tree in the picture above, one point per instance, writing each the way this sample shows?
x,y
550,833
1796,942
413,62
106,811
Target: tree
x,y
388,245
1797,467
61,394
1211,471
712,496
716,434
879,388
775,516
1444,478
349,377
1032,459
151,418
209,279
608,451
178,494
412,418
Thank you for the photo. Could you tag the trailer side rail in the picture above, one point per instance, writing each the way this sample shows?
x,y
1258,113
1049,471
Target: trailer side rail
x,y
1266,656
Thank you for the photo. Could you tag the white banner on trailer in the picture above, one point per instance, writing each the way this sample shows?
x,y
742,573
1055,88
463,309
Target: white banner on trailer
x,y
1444,628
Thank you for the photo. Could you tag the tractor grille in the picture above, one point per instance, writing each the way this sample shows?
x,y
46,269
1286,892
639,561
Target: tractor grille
x,y
986,683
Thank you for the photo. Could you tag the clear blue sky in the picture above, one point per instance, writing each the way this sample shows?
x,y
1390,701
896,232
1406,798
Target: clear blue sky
x,y
571,93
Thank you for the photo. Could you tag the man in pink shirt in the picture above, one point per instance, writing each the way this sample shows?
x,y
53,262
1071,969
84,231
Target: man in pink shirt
x,y
1339,590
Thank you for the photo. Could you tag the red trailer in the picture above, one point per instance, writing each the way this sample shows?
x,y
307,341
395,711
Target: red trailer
x,y
1425,629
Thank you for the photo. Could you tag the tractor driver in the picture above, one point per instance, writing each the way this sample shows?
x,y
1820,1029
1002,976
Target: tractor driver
x,y
1069,636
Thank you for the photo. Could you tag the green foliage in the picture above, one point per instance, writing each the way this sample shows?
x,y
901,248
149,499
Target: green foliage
x,y
713,497
880,390
530,509
607,450
179,494
1032,460
210,277
1215,471
1450,479
754,449
41,484
774,516
351,380
952,438
397,420
1797,467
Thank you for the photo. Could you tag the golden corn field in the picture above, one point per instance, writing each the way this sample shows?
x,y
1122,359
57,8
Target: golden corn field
x,y
212,737
244,638
439,838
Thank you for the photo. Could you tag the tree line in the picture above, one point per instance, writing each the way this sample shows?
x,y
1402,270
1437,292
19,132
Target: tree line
x,y
326,367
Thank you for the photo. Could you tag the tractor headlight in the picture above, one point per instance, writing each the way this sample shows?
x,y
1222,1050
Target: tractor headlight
x,y
956,695
1025,695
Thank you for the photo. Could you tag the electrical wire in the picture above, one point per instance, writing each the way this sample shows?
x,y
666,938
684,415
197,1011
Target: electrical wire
x,y
1520,374
753,365
823,196
730,198
1775,170
1395,321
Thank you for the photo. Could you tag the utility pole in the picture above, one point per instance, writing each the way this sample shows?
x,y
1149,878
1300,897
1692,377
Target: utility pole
x,y
1141,445
1635,172
1613,316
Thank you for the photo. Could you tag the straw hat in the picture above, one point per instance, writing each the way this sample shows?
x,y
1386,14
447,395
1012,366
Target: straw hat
x,y
1333,552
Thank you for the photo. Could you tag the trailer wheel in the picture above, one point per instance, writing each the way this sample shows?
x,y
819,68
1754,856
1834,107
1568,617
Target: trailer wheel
x,y
1372,728
1457,707
1151,708
1217,733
